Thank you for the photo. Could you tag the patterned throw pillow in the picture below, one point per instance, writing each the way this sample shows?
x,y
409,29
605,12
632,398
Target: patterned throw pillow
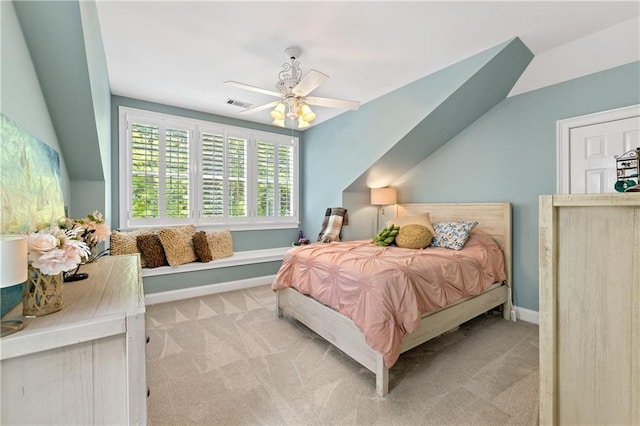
x,y
452,235
178,244
220,244
201,247
125,243
151,249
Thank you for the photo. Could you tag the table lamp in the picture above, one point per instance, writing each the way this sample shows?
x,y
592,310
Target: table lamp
x,y
13,271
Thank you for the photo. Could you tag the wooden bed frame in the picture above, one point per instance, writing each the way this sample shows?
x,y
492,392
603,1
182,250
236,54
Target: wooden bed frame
x,y
493,219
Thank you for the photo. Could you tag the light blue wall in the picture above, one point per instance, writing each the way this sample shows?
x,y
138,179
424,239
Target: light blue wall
x,y
371,147
101,102
65,45
21,100
510,155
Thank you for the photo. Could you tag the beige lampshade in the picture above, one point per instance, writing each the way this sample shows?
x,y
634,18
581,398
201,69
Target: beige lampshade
x,y
383,196
13,259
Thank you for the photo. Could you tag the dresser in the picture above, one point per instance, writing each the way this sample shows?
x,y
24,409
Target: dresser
x,y
590,309
86,363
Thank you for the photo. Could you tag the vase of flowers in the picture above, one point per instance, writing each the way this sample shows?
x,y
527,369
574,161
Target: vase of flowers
x,y
92,230
53,253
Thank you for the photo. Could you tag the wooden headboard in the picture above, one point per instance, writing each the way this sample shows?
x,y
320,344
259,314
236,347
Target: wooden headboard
x,y
493,219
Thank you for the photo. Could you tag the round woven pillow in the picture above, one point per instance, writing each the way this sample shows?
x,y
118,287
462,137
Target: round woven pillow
x,y
414,237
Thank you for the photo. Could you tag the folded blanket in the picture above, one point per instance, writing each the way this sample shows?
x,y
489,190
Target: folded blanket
x,y
332,223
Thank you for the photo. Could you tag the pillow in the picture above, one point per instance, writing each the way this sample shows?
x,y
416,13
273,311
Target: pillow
x,y
220,244
413,236
178,245
201,247
413,219
451,235
151,248
125,243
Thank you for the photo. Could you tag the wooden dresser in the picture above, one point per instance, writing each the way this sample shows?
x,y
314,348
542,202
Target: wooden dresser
x,y
86,363
590,309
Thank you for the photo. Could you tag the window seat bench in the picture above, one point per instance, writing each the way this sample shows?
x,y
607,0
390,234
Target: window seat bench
x,y
197,282
239,258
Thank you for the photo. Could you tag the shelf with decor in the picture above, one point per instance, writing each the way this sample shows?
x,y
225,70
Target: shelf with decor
x,y
628,171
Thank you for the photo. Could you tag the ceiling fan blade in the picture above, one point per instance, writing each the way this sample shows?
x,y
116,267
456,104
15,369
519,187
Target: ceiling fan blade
x,y
332,103
253,88
309,82
260,107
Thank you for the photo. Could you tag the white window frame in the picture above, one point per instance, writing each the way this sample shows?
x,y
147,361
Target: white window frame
x,y
196,128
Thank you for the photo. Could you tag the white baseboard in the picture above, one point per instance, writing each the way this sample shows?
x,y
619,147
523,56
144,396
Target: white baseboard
x,y
527,315
204,290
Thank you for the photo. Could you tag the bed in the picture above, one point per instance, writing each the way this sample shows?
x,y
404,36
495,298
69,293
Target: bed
x,y
494,222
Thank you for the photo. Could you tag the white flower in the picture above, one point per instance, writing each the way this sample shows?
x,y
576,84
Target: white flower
x,y
42,242
79,247
55,262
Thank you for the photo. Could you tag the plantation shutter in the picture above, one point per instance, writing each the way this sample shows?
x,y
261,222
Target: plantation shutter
x,y
285,180
266,162
275,181
175,170
176,173
144,170
237,176
159,172
213,175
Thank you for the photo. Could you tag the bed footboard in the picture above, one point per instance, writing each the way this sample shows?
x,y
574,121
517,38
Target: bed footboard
x,y
341,332
337,329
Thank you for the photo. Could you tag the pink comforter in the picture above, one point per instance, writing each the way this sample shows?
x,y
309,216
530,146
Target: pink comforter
x,y
385,290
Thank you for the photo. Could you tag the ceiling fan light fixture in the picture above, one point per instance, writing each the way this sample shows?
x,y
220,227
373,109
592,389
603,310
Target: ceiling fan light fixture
x,y
307,114
293,89
302,124
278,112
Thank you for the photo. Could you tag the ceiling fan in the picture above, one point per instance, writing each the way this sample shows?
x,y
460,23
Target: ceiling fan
x,y
292,91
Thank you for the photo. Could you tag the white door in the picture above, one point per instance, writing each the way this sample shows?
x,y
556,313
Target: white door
x,y
592,151
587,146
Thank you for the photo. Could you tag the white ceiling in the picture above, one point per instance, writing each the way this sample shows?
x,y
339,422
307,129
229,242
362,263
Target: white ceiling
x,y
180,53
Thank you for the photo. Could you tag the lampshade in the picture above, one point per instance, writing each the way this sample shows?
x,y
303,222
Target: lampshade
x,y
307,114
383,196
278,112
13,259
302,123
279,123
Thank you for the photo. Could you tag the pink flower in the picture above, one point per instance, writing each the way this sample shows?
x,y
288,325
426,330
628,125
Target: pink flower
x,y
102,232
57,261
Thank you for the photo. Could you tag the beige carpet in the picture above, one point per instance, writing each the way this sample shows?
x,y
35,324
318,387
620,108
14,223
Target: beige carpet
x,y
226,359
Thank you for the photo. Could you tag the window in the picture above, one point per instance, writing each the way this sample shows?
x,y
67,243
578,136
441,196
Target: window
x,y
175,170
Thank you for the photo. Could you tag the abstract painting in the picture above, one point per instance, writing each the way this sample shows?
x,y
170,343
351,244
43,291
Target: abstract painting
x,y
30,181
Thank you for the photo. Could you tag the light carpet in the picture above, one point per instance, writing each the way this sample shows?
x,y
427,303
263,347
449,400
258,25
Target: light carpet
x,y
226,359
